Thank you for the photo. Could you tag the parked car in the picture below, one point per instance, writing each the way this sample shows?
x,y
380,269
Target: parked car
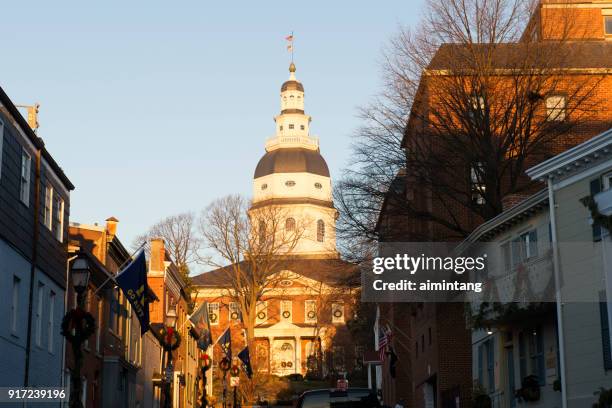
x,y
350,398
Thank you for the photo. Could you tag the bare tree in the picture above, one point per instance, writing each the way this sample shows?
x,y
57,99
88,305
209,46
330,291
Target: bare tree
x,y
181,240
249,246
464,111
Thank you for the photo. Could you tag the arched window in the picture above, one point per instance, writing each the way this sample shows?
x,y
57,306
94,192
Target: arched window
x,y
320,231
262,232
290,224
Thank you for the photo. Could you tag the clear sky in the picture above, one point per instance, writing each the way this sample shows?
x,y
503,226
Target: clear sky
x,y
154,108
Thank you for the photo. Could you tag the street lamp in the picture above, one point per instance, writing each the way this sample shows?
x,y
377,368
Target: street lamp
x,y
77,326
169,340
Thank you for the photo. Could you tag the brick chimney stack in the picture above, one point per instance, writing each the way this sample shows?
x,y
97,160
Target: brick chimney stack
x,y
111,227
158,254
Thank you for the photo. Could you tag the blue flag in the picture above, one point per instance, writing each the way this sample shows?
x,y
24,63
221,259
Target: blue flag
x,y
246,360
133,282
225,341
201,322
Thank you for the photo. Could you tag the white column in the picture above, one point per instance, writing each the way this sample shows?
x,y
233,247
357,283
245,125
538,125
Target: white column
x,y
298,354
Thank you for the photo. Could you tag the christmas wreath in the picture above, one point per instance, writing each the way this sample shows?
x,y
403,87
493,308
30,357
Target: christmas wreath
x,y
205,360
78,325
234,316
312,314
212,317
337,313
171,338
286,314
261,315
234,371
598,218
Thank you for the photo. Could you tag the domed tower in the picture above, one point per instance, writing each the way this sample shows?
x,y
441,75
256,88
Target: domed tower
x,y
292,175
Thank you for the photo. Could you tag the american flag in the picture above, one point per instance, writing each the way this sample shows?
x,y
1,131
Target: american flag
x,y
383,341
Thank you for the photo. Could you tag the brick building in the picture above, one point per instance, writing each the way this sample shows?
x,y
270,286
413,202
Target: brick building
x,y
168,285
440,358
34,212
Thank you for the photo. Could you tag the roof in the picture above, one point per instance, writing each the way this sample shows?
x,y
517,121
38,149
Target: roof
x,y
34,139
328,270
502,221
574,159
292,85
292,160
579,54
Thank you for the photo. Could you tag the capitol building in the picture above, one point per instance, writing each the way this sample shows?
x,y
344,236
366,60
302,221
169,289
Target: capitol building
x,y
300,327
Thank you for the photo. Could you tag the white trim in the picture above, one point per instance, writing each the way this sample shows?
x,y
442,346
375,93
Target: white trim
x,y
601,167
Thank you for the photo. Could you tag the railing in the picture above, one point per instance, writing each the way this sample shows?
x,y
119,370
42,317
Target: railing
x,y
292,141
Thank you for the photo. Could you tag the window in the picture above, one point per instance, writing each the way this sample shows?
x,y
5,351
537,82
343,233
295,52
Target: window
x,y
337,313
477,105
291,126
1,144
477,183
286,309
524,247
607,181
302,127
99,326
15,305
261,230
26,162
338,356
290,224
290,183
320,231
234,311
264,186
48,220
555,108
536,355
608,25
213,313
39,311
310,311
59,218
262,312
51,322
318,186
280,127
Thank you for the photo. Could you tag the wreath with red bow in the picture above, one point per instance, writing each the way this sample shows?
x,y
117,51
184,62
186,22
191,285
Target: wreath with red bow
x,y
205,360
78,325
171,338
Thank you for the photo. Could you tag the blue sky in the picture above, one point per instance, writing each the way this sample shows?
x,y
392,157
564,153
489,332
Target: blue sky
x,y
154,108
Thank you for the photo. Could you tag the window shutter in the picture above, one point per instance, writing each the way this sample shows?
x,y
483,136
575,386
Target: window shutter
x,y
605,331
596,188
480,362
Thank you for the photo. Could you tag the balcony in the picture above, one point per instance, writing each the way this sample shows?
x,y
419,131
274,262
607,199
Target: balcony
x,y
305,142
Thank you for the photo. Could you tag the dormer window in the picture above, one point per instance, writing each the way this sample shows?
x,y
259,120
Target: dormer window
x,y
281,127
302,127
264,186
318,186
291,126
290,183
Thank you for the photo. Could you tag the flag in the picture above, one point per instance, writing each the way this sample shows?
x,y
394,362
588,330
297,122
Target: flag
x,y
392,362
225,341
290,47
133,282
246,360
199,318
383,340
289,38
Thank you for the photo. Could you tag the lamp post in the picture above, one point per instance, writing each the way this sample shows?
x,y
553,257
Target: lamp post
x,y
77,326
170,340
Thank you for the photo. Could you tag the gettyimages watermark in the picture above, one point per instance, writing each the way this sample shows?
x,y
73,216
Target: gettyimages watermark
x,y
485,272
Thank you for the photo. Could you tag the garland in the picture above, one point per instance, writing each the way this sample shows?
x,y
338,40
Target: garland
x,y
598,218
78,325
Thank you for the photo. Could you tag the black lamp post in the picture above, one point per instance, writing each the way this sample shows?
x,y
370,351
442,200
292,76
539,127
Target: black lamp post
x,y
205,358
77,326
170,340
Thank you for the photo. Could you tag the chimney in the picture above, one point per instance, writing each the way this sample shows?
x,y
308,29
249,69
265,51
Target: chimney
x,y
511,200
111,227
158,254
